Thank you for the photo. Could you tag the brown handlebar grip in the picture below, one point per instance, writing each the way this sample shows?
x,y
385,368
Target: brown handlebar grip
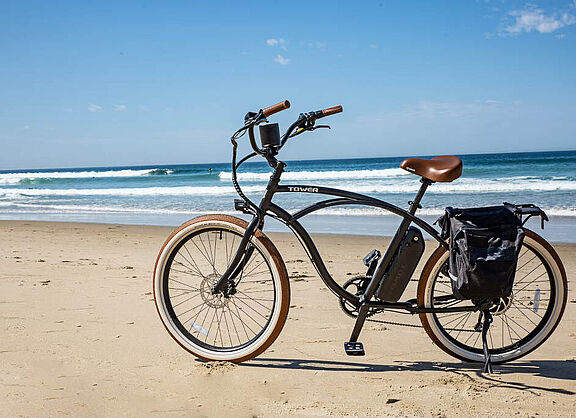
x,y
278,107
332,110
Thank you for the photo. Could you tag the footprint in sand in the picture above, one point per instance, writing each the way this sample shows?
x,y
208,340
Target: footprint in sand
x,y
215,367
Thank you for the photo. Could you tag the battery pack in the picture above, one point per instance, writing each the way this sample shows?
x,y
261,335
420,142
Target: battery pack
x,y
402,267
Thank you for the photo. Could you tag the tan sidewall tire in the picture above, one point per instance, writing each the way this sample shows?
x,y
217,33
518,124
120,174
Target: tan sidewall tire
x,y
281,307
431,269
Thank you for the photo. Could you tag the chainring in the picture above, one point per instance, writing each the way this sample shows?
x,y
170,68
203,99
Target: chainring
x,y
360,284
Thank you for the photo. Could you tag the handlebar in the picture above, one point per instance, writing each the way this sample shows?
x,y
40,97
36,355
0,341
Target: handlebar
x,y
331,111
305,122
278,107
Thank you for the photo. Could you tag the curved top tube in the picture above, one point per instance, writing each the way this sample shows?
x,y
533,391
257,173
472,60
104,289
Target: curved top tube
x,y
353,199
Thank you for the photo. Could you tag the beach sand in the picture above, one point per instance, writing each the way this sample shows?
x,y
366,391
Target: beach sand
x,y
81,337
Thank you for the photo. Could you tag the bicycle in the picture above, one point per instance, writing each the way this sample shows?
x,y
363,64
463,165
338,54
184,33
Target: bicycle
x,y
221,287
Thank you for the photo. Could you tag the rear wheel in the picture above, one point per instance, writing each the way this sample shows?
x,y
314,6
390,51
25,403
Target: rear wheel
x,y
235,327
522,322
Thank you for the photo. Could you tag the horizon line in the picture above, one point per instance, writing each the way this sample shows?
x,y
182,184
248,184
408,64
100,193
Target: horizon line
x,y
160,165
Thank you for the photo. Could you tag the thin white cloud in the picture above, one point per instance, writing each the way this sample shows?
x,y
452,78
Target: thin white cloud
x,y
281,60
316,44
120,108
144,108
275,41
95,108
436,109
534,19
373,46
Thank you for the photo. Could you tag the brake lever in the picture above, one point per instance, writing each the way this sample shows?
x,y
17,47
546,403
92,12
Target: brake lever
x,y
254,119
308,128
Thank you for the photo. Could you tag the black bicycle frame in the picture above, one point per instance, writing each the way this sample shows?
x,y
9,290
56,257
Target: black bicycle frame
x,y
343,197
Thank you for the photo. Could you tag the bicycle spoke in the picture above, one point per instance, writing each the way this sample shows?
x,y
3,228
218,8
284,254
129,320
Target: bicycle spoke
x,y
191,272
526,316
191,309
526,263
254,310
251,298
207,247
511,319
242,322
238,315
192,258
191,262
184,284
185,300
200,251
228,328
527,308
518,291
184,291
186,272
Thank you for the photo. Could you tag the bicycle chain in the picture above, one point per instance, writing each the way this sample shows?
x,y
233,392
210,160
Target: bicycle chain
x,y
357,281
417,326
402,324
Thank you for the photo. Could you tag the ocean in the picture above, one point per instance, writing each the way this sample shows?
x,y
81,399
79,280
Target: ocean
x,y
171,194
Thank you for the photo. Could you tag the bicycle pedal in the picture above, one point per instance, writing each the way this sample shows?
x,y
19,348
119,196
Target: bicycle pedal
x,y
354,348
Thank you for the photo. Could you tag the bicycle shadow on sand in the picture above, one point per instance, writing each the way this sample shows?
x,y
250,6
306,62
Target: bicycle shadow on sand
x,y
552,369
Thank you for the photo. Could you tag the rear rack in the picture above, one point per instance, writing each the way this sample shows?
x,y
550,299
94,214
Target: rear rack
x,y
526,211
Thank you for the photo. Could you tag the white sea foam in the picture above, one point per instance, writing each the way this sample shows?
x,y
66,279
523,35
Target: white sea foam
x,y
15,178
553,211
372,211
337,211
320,175
368,187
52,208
139,191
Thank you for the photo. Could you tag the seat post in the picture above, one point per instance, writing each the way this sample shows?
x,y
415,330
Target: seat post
x,y
415,204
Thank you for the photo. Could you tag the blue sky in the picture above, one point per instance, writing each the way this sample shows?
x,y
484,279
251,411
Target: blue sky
x,y
142,82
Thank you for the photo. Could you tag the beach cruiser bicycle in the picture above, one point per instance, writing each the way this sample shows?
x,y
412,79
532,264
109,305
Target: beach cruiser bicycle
x,y
222,290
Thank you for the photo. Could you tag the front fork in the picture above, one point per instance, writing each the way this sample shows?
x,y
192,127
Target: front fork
x,y
226,283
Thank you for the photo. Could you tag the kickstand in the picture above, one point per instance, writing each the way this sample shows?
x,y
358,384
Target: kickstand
x,y
485,327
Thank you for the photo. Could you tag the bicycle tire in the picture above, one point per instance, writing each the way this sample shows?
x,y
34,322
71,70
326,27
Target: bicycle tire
x,y
190,339
442,337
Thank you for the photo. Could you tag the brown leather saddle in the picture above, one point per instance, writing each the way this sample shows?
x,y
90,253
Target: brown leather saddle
x,y
444,168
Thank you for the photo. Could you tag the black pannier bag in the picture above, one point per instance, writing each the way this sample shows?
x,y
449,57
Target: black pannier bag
x,y
484,247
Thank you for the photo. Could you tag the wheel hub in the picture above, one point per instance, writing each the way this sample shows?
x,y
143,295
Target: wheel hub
x,y
502,305
217,300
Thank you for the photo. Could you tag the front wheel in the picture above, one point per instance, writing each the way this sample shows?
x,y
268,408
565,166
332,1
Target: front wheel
x,y
522,322
233,327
